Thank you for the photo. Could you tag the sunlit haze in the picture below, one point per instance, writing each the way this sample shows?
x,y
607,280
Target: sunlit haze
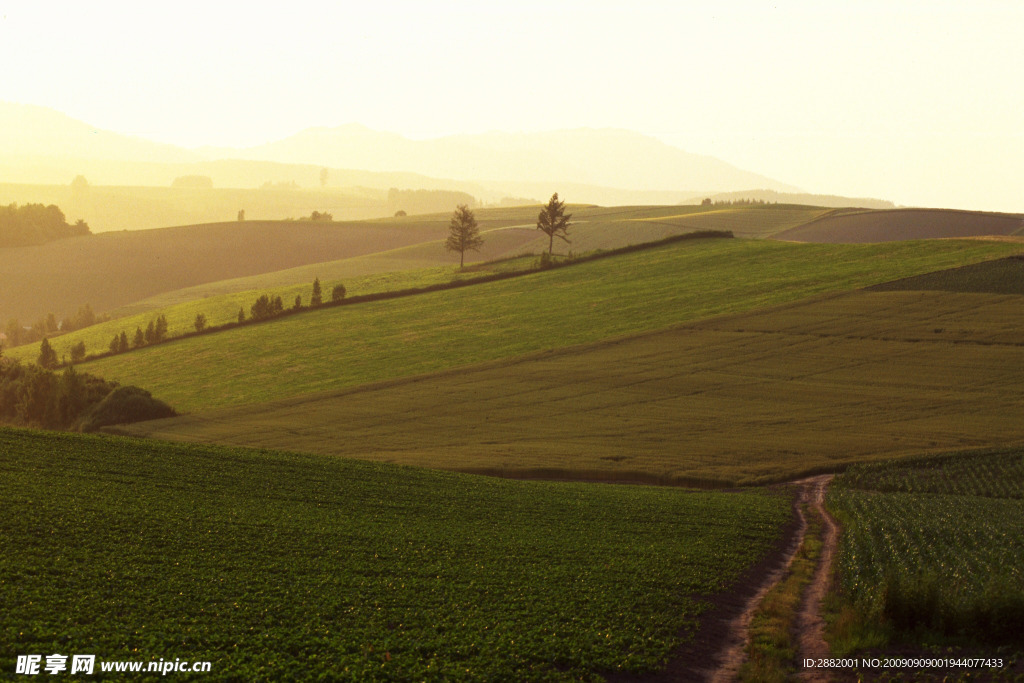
x,y
917,102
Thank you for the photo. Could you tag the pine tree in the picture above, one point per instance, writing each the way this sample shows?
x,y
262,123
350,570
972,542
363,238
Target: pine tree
x,y
463,233
553,221
47,356
318,296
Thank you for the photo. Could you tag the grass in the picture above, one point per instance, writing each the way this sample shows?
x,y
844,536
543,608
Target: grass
x,y
750,398
1001,276
631,293
745,221
278,566
932,551
772,650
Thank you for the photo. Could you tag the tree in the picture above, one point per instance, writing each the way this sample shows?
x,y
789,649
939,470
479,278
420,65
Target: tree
x,y
241,215
298,301
463,233
553,221
318,295
140,339
122,342
338,293
150,335
78,352
200,323
241,315
161,328
47,356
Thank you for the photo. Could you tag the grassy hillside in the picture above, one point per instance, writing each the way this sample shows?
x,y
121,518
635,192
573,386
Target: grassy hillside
x,y
626,294
932,552
277,566
903,224
1001,276
116,269
752,398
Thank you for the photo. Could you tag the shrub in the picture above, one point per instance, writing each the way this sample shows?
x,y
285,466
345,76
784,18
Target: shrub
x,y
125,405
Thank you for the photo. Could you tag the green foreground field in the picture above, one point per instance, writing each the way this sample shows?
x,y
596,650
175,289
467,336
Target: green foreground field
x,y
278,566
932,552
752,398
628,294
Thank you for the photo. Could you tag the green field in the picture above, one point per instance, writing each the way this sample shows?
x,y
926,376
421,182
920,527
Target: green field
x,y
763,396
631,293
933,550
279,566
1001,276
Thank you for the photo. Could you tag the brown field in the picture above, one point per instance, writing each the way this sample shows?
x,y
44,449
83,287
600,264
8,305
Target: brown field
x,y
903,224
110,270
748,398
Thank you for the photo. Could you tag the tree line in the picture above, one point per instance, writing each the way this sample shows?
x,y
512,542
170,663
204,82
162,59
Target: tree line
x,y
36,224
49,327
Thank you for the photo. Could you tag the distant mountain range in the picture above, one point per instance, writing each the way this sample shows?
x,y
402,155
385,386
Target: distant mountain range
x,y
43,146
604,157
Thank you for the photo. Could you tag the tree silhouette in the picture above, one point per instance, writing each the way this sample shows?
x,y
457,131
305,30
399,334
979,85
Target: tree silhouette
x,y
47,356
553,221
463,233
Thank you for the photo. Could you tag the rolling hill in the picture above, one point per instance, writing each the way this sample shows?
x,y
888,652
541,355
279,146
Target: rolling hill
x,y
904,224
627,294
747,399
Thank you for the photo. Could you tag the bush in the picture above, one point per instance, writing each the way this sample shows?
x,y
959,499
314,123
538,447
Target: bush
x,y
125,405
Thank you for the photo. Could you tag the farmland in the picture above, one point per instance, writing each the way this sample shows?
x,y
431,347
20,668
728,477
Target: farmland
x,y
748,398
272,564
933,550
903,224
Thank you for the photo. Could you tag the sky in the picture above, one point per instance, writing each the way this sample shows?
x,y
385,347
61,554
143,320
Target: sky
x,y
918,102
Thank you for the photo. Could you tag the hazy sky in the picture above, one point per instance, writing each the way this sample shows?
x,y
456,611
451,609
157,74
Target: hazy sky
x,y
918,102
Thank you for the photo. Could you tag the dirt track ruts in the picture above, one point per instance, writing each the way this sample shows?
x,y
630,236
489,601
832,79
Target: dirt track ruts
x,y
809,622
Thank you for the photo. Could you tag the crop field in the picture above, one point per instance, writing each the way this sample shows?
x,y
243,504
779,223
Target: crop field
x,y
627,294
115,269
933,548
1001,276
745,221
903,224
223,308
271,565
750,398
128,272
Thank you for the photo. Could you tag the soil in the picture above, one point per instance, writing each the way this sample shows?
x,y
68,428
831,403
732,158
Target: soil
x,y
719,650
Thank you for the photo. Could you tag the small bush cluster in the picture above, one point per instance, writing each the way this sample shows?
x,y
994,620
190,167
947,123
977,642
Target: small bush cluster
x,y
35,396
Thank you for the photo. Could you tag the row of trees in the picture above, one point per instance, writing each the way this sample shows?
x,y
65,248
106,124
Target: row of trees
x,y
464,232
155,333
36,224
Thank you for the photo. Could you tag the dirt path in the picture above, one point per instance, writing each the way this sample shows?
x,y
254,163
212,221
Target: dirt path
x,y
810,622
734,649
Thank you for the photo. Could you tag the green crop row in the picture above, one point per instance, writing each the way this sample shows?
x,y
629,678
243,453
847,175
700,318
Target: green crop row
x,y
935,547
278,566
